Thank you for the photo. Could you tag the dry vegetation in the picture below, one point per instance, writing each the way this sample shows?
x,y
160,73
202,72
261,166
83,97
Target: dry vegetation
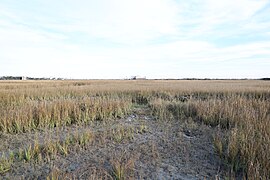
x,y
237,112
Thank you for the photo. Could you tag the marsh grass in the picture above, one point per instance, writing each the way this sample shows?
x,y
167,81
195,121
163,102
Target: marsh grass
x,y
34,115
245,123
38,152
238,109
122,166
5,164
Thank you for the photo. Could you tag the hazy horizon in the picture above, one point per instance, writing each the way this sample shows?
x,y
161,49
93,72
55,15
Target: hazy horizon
x,y
118,39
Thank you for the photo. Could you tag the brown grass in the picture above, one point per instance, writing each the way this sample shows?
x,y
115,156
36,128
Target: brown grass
x,y
239,110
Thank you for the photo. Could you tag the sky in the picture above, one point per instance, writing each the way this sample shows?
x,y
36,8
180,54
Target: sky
x,y
115,39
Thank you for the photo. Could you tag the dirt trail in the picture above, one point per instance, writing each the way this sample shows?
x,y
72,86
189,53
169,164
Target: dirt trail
x,y
158,150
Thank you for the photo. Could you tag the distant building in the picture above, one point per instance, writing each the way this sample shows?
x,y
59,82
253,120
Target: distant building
x,y
138,78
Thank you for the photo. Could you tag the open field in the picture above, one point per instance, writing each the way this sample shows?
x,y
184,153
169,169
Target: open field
x,y
145,129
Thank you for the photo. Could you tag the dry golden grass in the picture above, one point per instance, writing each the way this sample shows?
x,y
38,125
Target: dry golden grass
x,y
239,110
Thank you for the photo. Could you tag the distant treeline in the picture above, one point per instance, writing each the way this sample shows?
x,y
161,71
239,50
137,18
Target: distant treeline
x,y
9,78
265,79
26,78
43,78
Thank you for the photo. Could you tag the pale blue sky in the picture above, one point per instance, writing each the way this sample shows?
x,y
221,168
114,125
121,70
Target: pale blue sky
x,y
121,38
